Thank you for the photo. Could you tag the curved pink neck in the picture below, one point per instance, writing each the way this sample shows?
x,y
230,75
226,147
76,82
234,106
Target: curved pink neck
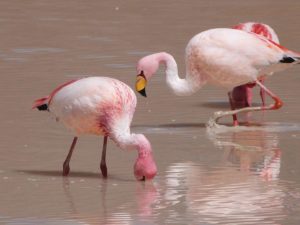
x,y
129,141
181,87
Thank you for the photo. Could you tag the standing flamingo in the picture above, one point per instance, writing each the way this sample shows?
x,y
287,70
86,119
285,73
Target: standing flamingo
x,y
224,57
100,106
241,96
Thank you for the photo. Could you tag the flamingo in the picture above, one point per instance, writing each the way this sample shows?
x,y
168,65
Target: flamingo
x,y
224,57
100,106
241,96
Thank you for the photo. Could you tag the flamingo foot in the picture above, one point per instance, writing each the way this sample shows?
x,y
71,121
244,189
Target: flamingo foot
x,y
278,103
66,169
103,168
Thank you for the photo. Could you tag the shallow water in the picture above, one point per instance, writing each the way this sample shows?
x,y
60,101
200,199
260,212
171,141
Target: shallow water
x,y
247,175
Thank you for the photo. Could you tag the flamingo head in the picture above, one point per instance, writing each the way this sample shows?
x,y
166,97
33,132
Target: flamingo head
x,y
146,67
144,167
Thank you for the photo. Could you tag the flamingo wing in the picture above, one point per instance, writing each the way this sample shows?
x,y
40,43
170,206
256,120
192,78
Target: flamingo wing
x,y
287,59
249,49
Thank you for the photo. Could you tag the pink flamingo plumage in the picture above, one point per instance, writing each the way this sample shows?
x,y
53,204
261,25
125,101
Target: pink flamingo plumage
x,y
100,106
241,96
224,57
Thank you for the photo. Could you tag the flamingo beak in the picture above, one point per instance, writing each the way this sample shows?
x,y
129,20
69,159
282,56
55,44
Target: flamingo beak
x,y
140,84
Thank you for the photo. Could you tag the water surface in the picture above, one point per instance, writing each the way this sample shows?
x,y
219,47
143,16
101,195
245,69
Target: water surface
x,y
222,176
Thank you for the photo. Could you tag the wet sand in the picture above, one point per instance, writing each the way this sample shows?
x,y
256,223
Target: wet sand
x,y
229,176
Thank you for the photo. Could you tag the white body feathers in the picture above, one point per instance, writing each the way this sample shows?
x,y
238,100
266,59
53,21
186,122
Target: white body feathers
x,y
92,105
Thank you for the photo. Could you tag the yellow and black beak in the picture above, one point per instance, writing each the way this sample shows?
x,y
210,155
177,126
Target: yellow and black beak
x,y
141,83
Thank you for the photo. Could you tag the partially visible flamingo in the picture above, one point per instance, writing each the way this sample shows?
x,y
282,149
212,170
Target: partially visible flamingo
x,y
100,106
224,57
241,96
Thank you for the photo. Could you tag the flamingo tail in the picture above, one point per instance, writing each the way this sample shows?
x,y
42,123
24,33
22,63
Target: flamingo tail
x,y
289,59
41,103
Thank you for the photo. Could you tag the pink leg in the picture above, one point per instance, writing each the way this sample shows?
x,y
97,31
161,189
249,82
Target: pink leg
x,y
103,166
249,96
234,116
262,94
66,167
277,104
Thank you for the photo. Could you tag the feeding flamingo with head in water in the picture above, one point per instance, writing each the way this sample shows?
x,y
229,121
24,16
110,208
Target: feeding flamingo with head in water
x,y
224,57
100,106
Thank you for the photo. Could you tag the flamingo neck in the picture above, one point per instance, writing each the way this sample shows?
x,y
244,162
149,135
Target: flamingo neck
x,y
181,87
128,141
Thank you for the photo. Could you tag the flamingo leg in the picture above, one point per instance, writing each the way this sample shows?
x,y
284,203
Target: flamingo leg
x,y
234,116
262,94
66,167
276,105
103,166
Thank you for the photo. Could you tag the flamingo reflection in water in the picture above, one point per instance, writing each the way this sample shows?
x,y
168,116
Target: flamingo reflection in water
x,y
130,201
254,150
236,189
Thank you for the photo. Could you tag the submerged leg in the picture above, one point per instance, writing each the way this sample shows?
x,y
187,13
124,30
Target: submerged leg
x,y
277,104
234,116
66,167
103,166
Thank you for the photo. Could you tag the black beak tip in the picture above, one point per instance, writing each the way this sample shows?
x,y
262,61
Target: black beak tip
x,y
143,92
143,178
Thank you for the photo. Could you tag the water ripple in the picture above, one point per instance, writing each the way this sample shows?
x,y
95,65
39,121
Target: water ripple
x,y
225,195
268,127
37,50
